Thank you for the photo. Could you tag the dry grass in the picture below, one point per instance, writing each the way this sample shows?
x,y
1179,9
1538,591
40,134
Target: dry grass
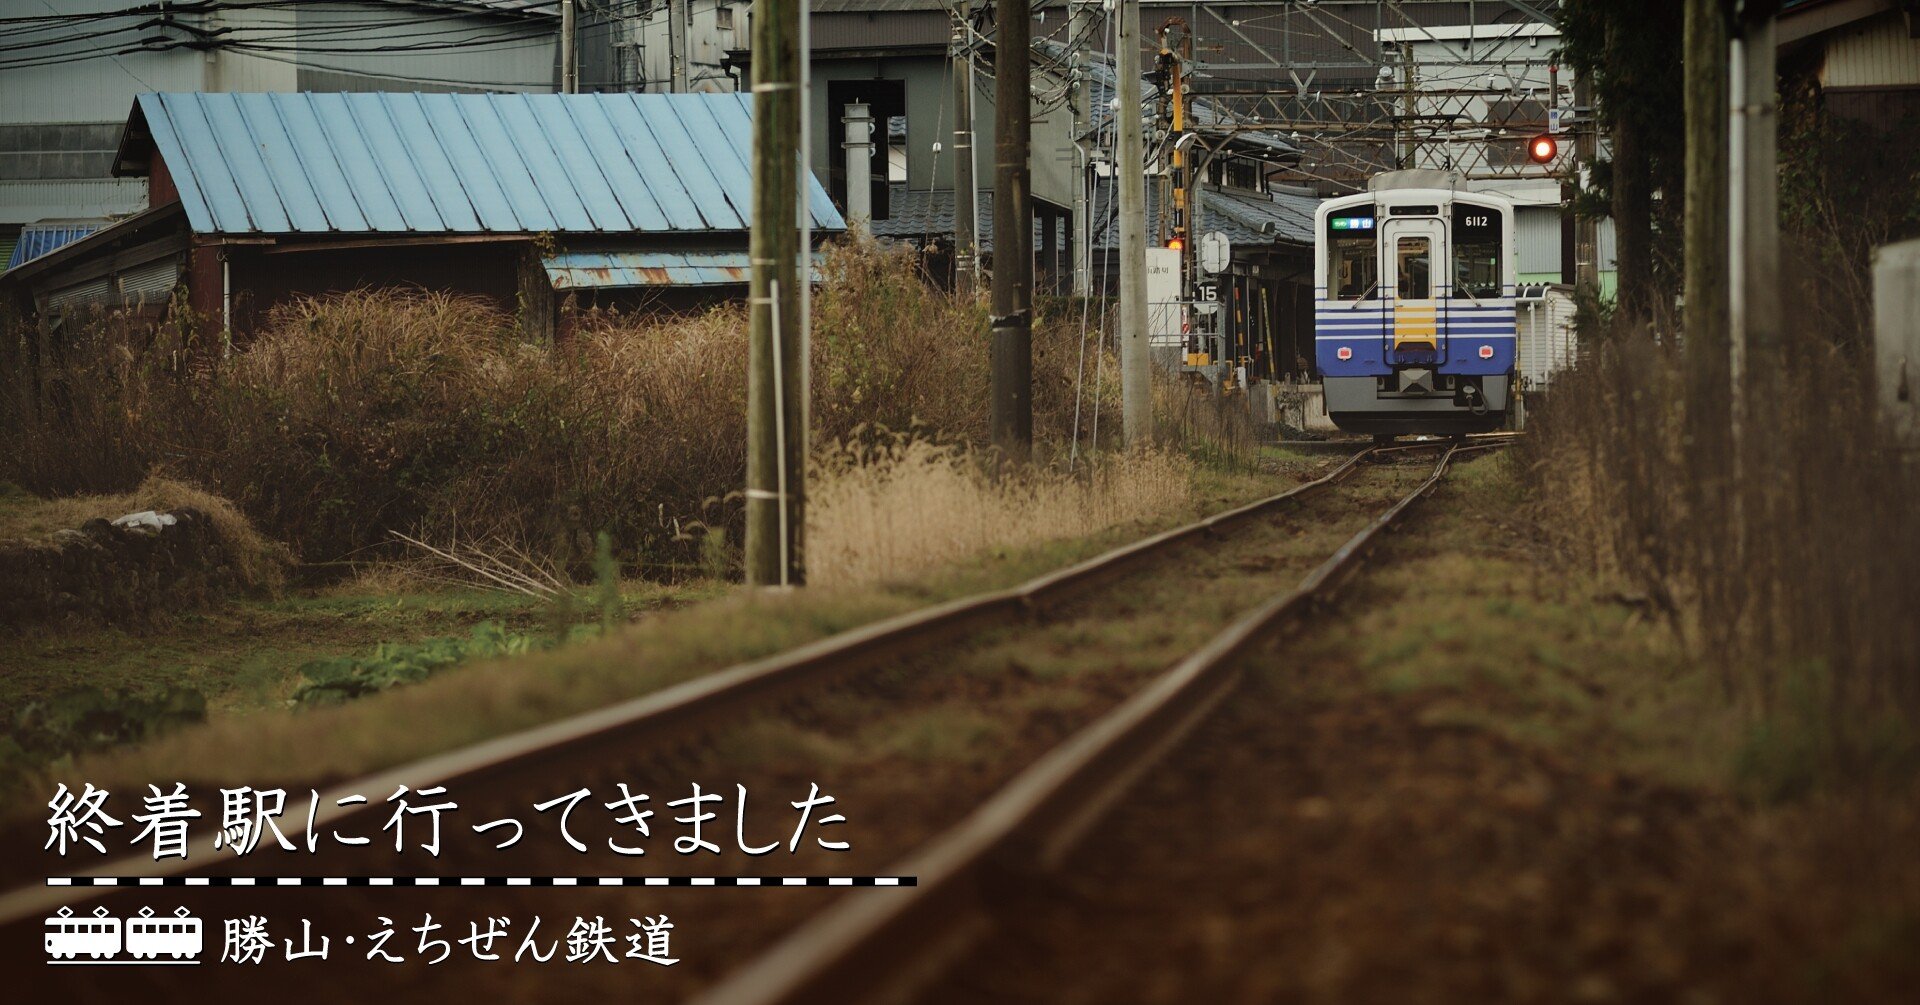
x,y
881,513
259,562
355,415
1787,565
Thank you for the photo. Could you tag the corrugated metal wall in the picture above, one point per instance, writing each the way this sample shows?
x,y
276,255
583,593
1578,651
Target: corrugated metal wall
x,y
1538,239
1878,53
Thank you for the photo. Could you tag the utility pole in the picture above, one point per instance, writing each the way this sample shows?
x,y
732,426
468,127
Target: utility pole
x,y
966,250
1755,283
569,56
1707,302
1080,21
1012,415
1130,158
859,144
1586,146
776,360
677,45
1407,107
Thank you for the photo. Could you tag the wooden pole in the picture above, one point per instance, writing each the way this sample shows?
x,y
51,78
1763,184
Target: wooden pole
x,y
776,363
1130,157
1706,327
1012,408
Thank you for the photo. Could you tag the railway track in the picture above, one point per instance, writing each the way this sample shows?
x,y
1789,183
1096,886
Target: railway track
x,y
882,947
591,746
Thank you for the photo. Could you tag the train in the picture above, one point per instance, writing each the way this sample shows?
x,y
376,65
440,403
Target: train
x,y
100,937
1415,331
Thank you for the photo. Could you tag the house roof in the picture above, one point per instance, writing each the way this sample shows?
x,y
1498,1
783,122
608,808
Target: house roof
x,y
41,238
455,163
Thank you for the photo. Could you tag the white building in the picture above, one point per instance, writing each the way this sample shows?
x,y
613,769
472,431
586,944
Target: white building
x,y
69,73
1489,89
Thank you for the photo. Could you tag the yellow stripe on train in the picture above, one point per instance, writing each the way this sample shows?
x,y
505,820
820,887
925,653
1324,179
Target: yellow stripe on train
x,y
1416,326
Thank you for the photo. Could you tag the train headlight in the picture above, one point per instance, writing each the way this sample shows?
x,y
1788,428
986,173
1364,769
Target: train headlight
x,y
1543,149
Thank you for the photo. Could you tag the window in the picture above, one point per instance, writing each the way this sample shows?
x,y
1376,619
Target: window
x,y
1477,265
1414,273
723,18
1356,267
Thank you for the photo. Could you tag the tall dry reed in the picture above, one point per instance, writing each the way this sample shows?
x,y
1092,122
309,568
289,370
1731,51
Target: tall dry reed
x,y
889,510
356,414
1793,578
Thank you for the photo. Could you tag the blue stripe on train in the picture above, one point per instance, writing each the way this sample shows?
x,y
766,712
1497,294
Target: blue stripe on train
x,y
1367,350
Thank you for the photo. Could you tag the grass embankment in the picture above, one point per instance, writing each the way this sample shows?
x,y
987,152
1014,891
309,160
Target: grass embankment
x,y
1737,863
276,745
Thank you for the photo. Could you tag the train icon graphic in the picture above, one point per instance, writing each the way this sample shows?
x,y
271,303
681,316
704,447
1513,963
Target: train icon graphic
x,y
101,938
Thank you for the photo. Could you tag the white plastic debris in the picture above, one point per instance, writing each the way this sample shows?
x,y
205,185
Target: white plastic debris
x,y
146,520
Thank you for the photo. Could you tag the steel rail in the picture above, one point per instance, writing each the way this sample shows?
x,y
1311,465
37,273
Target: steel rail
x,y
886,946
690,705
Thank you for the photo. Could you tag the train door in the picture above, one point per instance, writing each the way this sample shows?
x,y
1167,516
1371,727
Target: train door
x,y
1416,255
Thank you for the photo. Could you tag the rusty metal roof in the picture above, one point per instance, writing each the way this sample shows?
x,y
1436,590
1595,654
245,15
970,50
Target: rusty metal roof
x,y
575,270
457,163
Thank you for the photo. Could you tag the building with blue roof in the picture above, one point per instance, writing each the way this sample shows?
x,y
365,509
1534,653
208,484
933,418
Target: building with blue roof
x,y
528,200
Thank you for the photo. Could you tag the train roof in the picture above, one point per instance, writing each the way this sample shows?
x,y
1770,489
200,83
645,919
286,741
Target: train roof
x,y
1413,186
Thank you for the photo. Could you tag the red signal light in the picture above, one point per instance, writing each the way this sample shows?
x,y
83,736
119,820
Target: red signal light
x,y
1543,149
1176,243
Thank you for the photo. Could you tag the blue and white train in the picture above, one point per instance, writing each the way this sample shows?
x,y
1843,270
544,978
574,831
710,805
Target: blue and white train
x,y
1414,325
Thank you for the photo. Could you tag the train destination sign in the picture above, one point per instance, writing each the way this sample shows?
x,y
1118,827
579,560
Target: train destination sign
x,y
1352,223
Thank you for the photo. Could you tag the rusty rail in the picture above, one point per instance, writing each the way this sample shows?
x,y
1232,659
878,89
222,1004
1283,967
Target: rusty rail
x,y
885,945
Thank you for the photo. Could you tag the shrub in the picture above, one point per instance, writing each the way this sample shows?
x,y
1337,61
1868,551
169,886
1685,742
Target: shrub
x,y
356,414
1802,556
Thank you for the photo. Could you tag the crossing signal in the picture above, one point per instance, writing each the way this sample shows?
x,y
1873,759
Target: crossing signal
x,y
1176,243
1543,149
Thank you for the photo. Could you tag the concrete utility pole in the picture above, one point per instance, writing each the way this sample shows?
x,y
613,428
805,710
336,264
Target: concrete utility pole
x,y
1896,338
859,144
966,249
1130,163
677,44
569,56
776,360
1080,22
1012,410
1586,229
1755,171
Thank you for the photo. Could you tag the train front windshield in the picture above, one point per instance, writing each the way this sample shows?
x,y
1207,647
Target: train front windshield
x,y
1354,255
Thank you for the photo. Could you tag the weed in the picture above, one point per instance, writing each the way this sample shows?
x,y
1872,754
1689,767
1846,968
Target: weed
x,y
351,415
392,665
895,506
91,718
